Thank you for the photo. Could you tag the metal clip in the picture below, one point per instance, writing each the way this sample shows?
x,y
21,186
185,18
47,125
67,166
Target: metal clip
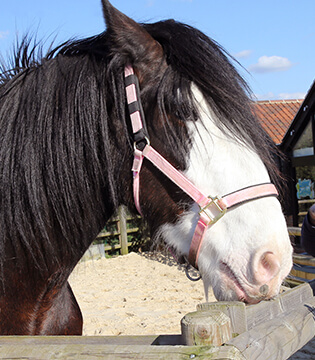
x,y
196,276
220,212
190,277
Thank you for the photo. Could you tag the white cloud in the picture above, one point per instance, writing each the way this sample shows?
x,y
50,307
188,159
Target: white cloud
x,y
267,64
4,34
296,95
150,3
243,54
267,96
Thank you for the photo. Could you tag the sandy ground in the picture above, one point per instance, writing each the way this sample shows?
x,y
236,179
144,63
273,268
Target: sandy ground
x,y
140,294
134,295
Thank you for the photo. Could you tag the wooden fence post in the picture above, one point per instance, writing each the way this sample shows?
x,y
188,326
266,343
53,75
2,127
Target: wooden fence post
x,y
122,228
206,328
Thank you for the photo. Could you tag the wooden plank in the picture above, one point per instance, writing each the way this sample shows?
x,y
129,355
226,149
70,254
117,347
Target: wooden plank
x,y
104,234
286,301
245,317
296,231
306,270
302,213
304,259
262,312
307,201
82,348
94,340
296,296
302,273
294,281
114,247
281,337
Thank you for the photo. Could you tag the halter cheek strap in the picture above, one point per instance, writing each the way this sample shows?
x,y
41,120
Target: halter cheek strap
x,y
211,208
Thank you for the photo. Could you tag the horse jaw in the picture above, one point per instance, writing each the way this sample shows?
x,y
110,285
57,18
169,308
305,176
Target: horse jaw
x,y
247,254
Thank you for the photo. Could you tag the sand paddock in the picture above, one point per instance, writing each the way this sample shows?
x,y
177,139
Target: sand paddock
x,y
139,294
135,294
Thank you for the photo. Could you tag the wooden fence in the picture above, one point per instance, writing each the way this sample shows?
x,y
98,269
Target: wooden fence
x,y
121,227
303,264
272,330
117,231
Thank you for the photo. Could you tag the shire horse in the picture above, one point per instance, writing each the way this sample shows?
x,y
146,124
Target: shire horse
x,y
161,99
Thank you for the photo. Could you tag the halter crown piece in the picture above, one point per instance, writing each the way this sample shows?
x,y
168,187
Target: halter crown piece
x,y
211,208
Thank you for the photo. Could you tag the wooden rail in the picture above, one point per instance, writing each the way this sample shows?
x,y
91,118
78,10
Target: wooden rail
x,y
296,231
85,348
303,264
271,330
120,230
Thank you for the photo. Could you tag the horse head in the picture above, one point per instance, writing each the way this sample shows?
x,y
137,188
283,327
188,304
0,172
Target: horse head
x,y
199,118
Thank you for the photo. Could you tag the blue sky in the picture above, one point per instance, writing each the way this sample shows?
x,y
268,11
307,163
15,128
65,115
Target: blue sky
x,y
273,40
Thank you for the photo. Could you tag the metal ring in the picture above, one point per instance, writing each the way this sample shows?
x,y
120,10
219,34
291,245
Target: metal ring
x,y
136,142
189,276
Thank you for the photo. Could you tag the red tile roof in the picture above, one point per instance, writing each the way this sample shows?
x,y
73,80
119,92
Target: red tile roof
x,y
276,116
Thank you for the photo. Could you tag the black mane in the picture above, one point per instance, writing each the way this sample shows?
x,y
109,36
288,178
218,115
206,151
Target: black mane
x,y
72,102
208,65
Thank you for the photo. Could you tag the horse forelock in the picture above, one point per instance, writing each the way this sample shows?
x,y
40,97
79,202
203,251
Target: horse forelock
x,y
200,60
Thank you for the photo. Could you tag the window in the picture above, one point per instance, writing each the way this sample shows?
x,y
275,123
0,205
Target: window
x,y
304,146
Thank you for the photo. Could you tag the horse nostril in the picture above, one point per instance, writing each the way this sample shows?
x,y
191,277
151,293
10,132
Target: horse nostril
x,y
264,289
266,268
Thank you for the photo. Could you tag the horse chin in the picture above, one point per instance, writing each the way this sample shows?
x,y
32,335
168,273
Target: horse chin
x,y
234,291
230,286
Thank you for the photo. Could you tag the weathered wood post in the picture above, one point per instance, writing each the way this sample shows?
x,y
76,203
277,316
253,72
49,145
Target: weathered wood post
x,y
206,328
122,228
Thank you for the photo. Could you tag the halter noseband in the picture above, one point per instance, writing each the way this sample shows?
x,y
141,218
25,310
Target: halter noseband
x,y
211,208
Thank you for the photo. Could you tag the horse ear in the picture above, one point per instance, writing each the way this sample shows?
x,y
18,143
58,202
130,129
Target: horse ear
x,y
130,38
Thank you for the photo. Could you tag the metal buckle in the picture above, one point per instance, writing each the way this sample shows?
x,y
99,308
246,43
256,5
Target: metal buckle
x,y
213,217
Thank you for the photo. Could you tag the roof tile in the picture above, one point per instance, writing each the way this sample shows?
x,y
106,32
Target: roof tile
x,y
276,116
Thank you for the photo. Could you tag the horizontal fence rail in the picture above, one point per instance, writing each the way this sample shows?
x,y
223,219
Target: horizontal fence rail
x,y
272,330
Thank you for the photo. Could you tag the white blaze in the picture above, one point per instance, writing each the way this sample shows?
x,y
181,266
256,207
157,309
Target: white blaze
x,y
241,239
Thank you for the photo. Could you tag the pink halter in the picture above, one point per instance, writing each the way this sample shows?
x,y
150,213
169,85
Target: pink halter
x,y
211,208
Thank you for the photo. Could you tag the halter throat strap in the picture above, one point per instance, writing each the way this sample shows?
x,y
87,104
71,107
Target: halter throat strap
x,y
211,208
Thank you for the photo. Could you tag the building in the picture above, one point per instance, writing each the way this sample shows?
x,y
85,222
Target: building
x,y
291,125
298,145
276,117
